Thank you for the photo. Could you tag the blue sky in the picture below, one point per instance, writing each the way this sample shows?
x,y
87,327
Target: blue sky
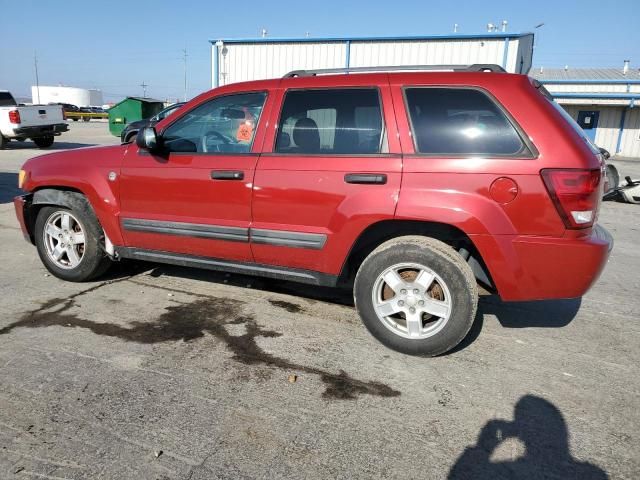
x,y
117,45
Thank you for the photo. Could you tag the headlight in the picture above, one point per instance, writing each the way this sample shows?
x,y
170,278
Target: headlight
x,y
21,178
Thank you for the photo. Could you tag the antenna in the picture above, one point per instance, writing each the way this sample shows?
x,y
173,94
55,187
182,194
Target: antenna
x,y
35,63
144,89
184,52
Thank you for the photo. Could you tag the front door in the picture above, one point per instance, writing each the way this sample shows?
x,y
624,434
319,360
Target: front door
x,y
588,120
331,167
194,195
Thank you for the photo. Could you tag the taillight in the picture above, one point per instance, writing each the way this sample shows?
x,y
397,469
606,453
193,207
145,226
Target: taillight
x,y
575,193
14,116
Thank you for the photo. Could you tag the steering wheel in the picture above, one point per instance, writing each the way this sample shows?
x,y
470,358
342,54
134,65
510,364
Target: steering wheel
x,y
213,133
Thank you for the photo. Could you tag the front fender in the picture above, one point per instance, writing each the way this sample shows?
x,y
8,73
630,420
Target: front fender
x,y
85,171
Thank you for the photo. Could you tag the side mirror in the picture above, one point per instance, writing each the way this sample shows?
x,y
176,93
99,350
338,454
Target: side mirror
x,y
605,153
148,139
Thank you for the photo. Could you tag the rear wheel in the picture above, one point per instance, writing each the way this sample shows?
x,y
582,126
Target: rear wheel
x,y
69,242
44,142
416,295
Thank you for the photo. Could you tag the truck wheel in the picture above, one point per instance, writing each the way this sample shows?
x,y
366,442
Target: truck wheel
x,y
86,119
416,295
3,142
69,242
43,142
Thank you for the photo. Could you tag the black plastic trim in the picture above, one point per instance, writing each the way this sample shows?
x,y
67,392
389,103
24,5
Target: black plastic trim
x,y
244,268
314,241
216,232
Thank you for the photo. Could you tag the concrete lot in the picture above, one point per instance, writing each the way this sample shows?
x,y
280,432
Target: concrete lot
x,y
167,373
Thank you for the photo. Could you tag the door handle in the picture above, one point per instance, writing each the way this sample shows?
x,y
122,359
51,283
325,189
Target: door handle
x,y
227,175
366,178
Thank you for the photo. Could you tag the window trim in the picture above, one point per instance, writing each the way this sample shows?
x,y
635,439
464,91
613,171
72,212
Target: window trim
x,y
217,97
529,151
385,131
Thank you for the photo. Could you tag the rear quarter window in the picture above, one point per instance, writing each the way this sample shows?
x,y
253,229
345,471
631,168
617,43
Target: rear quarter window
x,y
461,121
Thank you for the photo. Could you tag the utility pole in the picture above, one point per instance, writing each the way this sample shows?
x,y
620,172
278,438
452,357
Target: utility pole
x,y
184,52
35,63
144,89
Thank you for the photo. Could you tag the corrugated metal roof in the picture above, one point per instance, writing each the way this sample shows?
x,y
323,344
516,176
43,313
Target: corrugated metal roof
x,y
584,74
487,36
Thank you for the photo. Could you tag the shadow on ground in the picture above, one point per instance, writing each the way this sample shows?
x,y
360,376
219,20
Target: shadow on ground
x,y
8,187
28,145
543,433
540,314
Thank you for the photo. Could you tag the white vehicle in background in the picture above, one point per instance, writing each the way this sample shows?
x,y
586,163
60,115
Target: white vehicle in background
x,y
40,123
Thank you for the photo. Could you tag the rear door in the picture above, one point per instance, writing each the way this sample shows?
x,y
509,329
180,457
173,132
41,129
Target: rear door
x,y
194,196
331,166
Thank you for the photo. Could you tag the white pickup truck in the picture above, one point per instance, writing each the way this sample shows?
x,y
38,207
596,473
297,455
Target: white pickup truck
x,y
40,123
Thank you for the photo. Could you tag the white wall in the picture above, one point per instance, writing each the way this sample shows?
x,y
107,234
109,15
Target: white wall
x,y
259,60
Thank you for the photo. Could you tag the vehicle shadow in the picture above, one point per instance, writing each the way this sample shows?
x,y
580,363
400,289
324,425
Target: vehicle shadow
x,y
535,314
541,314
28,145
339,296
543,433
8,187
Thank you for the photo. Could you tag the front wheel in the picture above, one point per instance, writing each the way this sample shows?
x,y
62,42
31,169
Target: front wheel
x,y
416,295
69,242
43,142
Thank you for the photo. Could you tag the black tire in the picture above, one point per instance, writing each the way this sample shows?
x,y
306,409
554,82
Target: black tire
x,y
75,119
44,142
3,142
94,261
441,259
86,119
613,176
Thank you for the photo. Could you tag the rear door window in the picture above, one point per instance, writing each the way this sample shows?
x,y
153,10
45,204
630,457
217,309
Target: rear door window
x,y
331,121
460,121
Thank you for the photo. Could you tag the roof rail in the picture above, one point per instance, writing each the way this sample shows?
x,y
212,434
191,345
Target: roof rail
x,y
476,67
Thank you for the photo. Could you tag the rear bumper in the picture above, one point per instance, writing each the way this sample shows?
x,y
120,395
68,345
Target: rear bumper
x,y
541,268
40,130
22,204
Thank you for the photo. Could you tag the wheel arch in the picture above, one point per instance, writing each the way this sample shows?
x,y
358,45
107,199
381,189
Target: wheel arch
x,y
53,196
379,232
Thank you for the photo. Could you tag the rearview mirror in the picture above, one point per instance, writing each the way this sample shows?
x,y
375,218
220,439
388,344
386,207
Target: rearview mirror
x,y
147,138
605,153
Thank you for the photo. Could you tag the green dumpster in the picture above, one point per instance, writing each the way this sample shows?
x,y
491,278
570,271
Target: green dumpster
x,y
132,109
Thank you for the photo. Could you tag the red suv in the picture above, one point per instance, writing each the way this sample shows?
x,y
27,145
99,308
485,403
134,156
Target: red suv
x,y
410,187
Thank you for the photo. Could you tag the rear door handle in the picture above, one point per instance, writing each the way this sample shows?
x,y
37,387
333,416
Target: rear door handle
x,y
366,178
227,175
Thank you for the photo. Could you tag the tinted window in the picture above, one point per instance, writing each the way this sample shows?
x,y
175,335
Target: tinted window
x,y
223,125
6,100
459,121
334,121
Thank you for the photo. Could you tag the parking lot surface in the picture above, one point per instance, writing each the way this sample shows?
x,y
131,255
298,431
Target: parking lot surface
x,y
159,372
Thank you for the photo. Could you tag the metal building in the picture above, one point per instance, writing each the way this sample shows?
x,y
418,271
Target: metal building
x,y
604,102
236,60
80,97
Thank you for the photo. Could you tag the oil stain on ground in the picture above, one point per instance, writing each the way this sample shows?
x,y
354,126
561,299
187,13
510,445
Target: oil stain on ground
x,y
288,306
190,321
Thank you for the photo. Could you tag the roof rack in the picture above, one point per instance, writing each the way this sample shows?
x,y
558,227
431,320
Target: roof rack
x,y
476,67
